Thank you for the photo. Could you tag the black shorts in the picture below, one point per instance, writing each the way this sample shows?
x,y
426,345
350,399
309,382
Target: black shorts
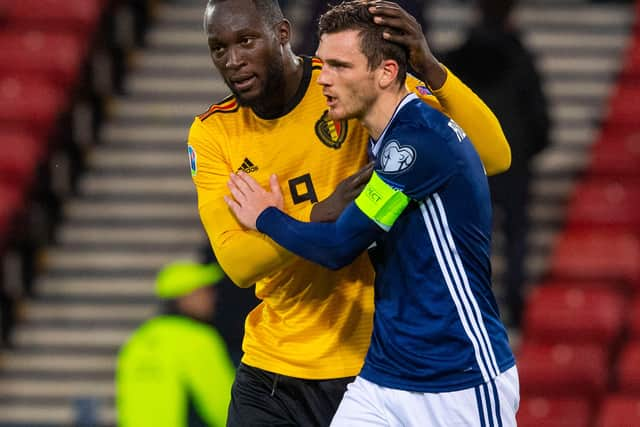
x,y
261,398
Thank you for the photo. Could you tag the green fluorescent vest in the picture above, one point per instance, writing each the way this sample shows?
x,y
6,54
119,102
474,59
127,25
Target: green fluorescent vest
x,y
167,361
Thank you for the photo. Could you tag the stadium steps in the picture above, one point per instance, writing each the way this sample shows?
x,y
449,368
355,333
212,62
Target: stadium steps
x,y
134,212
136,207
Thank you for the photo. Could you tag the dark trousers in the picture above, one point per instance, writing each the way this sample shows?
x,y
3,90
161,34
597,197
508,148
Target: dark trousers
x,y
261,398
510,193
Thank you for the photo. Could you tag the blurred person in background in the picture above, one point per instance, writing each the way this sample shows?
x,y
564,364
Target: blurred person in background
x,y
495,63
174,370
229,317
7,318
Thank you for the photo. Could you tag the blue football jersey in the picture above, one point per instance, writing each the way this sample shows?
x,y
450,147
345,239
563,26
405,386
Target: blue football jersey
x,y
436,321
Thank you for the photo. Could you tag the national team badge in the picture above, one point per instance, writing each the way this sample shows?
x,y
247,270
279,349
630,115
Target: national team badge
x,y
193,160
397,158
332,133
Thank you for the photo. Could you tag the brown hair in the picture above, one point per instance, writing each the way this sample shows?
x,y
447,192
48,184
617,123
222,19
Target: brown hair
x,y
354,15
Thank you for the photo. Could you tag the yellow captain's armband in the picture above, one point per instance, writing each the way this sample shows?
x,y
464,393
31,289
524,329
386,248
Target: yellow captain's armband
x,y
382,203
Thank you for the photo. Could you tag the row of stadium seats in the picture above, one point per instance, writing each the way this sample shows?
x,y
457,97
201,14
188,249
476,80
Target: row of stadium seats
x,y
579,361
61,59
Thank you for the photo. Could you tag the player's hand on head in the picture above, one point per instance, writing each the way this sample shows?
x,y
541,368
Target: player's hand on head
x,y
404,29
347,190
248,199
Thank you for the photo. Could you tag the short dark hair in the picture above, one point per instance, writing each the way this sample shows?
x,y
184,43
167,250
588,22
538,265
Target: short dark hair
x,y
355,15
269,10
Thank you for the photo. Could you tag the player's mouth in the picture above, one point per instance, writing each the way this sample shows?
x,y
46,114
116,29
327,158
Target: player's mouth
x,y
331,100
243,83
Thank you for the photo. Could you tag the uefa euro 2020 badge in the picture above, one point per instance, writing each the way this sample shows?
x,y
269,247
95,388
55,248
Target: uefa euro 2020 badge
x,y
193,160
397,158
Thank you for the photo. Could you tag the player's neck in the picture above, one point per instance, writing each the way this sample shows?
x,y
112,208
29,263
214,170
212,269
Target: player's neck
x,y
381,111
293,71
278,99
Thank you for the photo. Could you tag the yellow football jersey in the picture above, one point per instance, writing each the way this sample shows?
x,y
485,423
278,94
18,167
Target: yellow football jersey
x,y
312,322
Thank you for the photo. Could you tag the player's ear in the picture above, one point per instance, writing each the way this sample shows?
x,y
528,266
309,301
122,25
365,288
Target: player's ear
x,y
388,73
283,31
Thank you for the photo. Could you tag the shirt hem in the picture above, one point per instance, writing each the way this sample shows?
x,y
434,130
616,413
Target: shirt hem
x,y
315,373
419,387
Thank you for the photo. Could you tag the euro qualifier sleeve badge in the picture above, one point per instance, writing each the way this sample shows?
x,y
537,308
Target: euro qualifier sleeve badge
x,y
193,160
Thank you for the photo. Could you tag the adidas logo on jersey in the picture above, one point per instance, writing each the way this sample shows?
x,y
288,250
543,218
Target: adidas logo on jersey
x,y
247,166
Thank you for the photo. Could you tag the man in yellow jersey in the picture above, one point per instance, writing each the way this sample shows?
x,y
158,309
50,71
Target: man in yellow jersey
x,y
174,371
307,339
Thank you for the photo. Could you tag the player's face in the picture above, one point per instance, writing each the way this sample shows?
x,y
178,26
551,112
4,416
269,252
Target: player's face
x,y
246,51
348,84
200,303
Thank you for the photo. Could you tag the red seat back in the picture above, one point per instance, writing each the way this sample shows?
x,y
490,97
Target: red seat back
x,y
80,16
553,412
628,368
610,203
21,154
55,56
561,370
616,153
597,255
634,320
30,103
574,314
624,108
619,411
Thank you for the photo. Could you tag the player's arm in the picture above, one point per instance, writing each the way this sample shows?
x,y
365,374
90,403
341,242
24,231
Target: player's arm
x,y
245,255
330,244
347,190
450,95
375,210
460,103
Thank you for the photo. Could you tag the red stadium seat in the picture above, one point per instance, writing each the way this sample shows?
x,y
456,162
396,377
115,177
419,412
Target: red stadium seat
x,y
616,153
30,103
628,368
597,255
619,411
631,68
624,108
21,154
609,203
81,16
572,314
550,412
55,56
634,320
562,370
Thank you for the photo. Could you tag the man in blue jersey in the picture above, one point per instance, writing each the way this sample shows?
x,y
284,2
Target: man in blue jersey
x,y
439,354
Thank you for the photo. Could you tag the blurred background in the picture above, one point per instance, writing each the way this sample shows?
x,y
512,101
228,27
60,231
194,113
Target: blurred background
x,y
96,99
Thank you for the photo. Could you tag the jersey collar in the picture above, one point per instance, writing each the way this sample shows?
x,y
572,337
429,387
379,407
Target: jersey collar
x,y
374,145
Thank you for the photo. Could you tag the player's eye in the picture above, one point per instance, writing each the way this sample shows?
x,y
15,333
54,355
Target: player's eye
x,y
246,41
216,50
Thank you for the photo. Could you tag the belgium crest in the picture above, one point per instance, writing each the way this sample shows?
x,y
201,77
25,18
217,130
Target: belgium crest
x,y
332,133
